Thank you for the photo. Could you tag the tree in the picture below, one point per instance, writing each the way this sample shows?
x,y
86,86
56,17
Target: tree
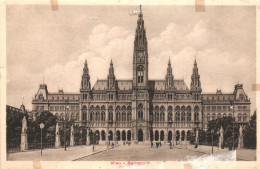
x,y
250,133
34,131
14,126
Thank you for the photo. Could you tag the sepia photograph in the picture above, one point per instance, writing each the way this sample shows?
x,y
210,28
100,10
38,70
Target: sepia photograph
x,y
130,84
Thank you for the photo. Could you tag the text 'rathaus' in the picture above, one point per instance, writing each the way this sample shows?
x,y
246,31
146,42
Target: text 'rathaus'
x,y
141,109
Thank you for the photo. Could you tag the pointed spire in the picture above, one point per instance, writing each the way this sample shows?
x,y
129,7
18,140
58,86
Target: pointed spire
x,y
169,63
140,14
111,69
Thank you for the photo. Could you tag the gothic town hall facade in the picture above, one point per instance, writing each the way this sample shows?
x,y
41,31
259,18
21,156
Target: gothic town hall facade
x,y
141,109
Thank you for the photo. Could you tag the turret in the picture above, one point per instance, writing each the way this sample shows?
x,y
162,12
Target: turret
x,y
85,89
169,77
195,85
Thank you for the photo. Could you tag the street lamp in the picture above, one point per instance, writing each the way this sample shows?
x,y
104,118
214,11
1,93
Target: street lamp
x,y
233,120
64,125
212,132
41,126
108,141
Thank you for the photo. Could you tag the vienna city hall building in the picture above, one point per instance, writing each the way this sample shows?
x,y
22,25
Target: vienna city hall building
x,y
141,109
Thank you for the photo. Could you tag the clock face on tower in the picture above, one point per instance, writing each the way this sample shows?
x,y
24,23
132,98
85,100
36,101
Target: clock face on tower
x,y
140,54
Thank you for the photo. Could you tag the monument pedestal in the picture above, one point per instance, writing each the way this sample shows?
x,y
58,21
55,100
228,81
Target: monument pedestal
x,y
72,141
24,144
240,142
57,141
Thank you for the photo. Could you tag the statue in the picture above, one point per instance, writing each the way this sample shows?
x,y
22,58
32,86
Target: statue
x,y
57,129
221,138
240,131
24,125
71,136
57,138
24,144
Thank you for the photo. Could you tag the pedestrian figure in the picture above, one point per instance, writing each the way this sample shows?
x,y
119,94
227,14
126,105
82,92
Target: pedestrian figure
x,y
112,145
157,144
151,144
160,144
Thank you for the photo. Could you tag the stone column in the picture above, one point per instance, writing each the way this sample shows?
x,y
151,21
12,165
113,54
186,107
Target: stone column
x,y
72,136
107,132
240,139
165,136
57,137
24,144
197,136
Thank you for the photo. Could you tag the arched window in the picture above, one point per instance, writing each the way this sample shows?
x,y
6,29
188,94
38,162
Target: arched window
x,y
188,113
196,113
224,115
156,113
208,117
177,113
170,113
162,115
213,116
183,115
103,114
219,115
118,114
244,117
61,116
239,117
140,112
72,116
123,113
110,113
67,116
91,113
77,117
140,74
129,113
97,113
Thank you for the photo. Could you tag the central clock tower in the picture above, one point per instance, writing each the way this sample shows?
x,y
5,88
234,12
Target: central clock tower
x,y
140,56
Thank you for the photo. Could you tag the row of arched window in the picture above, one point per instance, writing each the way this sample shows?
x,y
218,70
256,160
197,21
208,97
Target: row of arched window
x,y
99,113
181,113
68,116
240,117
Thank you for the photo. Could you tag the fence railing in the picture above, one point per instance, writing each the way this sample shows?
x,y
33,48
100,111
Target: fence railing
x,y
11,148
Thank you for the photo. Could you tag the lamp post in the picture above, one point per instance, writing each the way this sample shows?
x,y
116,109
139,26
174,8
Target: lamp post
x,y
108,141
212,132
41,126
233,120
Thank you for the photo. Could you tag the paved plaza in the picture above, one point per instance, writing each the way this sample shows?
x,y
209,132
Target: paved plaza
x,y
134,152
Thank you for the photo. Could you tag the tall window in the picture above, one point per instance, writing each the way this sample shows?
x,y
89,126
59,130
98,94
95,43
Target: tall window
x,y
97,113
239,117
156,113
123,113
196,113
244,117
91,113
177,114
103,114
170,113
140,74
140,112
84,109
162,115
188,113
118,114
129,113
110,113
208,117
183,113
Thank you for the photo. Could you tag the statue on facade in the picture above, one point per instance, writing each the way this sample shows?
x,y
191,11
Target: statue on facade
x,y
57,129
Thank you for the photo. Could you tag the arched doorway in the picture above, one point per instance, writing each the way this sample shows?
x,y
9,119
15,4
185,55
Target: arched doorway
x,y
156,135
162,135
110,136
170,136
140,135
118,135
188,135
177,135
128,135
123,135
151,135
103,135
182,135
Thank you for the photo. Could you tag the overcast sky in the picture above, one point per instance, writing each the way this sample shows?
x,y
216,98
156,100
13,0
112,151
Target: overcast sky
x,y
54,44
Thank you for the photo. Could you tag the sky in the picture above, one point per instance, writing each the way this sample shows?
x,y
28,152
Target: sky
x,y
51,46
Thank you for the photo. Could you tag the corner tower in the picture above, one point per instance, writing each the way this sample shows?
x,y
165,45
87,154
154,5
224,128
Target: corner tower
x,y
140,55
85,88
195,85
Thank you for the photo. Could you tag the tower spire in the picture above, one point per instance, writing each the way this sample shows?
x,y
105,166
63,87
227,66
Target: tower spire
x,y
169,76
